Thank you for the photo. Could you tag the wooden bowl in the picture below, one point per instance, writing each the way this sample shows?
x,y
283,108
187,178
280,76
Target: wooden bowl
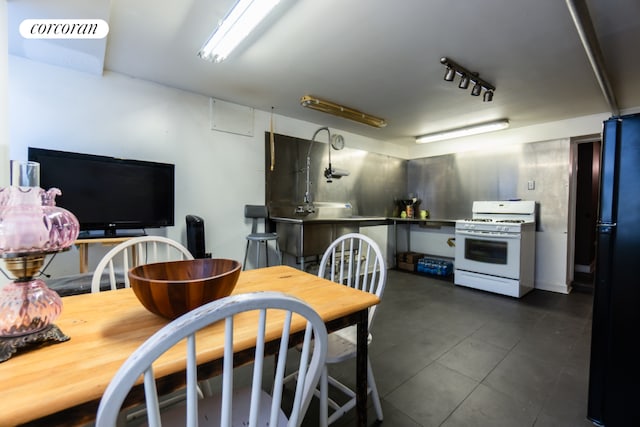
x,y
170,289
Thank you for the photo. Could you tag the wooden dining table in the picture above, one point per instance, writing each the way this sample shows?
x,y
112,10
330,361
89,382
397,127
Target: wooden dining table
x,y
62,383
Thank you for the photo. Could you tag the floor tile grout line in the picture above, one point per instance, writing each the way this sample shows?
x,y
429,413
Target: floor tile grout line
x,y
481,382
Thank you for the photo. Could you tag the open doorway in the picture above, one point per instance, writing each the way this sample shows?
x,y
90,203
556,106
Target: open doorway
x,y
586,213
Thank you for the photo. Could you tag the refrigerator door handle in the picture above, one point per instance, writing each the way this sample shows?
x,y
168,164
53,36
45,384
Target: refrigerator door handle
x,y
609,173
606,227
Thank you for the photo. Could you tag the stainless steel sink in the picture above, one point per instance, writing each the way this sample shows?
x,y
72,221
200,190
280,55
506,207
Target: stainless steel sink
x,y
309,235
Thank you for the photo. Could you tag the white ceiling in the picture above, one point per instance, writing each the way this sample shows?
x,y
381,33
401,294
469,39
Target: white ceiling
x,y
378,56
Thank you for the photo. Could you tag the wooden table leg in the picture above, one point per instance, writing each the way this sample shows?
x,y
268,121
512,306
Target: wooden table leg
x,y
83,250
361,367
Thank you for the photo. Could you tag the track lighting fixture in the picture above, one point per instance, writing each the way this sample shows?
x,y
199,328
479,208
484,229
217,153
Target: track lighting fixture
x,y
467,77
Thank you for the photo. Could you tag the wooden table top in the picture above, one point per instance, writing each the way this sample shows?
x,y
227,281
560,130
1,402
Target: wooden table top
x,y
105,328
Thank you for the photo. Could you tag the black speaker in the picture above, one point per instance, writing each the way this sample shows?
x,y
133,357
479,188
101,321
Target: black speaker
x,y
195,236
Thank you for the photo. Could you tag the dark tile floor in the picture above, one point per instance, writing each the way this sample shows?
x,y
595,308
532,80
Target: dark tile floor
x,y
445,355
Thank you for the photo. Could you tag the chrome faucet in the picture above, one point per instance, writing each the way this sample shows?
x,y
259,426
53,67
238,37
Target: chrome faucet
x,y
308,203
337,141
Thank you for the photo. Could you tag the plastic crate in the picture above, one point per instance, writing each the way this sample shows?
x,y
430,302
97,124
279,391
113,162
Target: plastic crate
x,y
438,267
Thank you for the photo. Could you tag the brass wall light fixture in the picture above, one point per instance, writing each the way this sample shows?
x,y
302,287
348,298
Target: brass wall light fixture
x,y
341,111
464,131
468,77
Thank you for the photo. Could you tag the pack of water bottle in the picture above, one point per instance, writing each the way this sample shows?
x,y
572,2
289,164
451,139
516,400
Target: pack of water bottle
x,y
438,267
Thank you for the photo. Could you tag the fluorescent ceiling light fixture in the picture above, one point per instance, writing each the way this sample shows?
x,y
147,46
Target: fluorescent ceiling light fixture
x,y
341,111
239,22
465,131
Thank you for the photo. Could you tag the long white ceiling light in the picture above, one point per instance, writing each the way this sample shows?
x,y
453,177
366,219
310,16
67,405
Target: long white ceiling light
x,y
464,131
239,22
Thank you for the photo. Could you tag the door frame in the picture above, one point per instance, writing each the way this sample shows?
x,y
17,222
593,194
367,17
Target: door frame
x,y
573,190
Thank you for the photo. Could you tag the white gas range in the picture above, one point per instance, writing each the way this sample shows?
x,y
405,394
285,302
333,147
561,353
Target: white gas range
x,y
495,249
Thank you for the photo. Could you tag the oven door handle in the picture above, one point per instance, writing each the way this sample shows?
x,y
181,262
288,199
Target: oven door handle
x,y
490,234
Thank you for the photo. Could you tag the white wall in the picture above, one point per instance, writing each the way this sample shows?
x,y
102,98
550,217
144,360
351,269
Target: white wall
x,y
217,173
4,103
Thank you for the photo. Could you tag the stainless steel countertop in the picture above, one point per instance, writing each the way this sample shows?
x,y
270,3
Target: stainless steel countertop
x,y
303,220
366,219
428,222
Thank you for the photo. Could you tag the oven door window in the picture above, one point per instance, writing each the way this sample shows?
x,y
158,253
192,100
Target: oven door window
x,y
486,251
496,255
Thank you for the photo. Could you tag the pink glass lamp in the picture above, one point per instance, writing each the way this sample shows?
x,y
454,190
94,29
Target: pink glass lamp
x,y
31,226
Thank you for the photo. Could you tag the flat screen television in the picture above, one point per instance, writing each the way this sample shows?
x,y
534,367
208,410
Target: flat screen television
x,y
109,194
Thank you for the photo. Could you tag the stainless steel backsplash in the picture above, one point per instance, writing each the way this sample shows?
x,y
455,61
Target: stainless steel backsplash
x,y
373,184
446,185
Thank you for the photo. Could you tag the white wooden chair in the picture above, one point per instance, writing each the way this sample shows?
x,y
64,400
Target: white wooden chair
x,y
252,407
354,260
134,252
117,262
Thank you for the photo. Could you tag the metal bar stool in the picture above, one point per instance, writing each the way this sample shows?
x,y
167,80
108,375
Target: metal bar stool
x,y
256,213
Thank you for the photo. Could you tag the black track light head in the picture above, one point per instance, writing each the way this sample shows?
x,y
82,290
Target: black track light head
x,y
464,82
477,88
450,74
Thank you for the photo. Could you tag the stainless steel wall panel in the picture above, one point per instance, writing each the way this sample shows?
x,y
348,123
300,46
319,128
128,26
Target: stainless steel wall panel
x,y
447,185
375,180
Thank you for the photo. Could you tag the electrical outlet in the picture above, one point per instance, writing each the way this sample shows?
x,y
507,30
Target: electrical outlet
x,y
531,185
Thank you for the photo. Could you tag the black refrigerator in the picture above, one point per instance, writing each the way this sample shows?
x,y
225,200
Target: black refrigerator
x,y
614,377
